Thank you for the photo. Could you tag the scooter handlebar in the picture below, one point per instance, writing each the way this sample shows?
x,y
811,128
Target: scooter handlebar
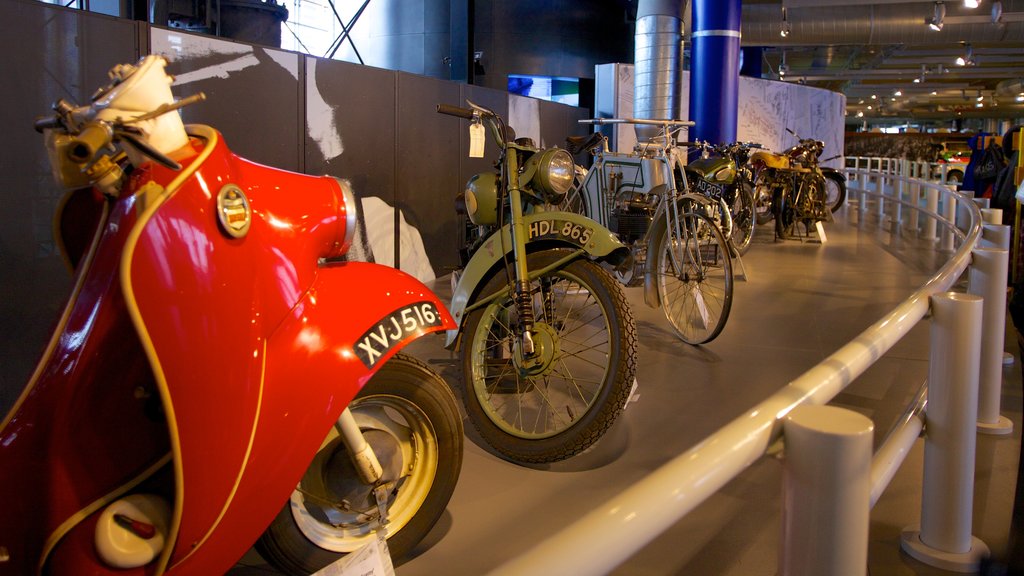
x,y
449,110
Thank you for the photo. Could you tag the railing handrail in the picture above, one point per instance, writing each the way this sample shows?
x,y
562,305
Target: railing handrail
x,y
611,533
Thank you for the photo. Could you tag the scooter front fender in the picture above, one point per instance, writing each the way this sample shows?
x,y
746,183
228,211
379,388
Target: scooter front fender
x,y
353,319
544,230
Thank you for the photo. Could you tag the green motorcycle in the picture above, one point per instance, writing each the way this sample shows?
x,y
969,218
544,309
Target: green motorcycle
x,y
547,340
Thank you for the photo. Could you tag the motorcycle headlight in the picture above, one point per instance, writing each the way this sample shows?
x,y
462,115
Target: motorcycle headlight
x,y
482,199
551,173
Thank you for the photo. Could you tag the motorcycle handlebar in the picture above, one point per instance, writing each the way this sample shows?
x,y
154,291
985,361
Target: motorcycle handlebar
x,y
93,137
458,111
46,123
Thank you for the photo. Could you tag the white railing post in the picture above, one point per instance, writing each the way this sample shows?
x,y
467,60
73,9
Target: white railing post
x,y
987,278
943,538
826,492
883,185
901,188
932,206
949,213
915,212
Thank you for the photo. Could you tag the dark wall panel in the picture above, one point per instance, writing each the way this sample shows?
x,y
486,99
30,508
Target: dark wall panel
x,y
252,93
49,53
351,134
428,163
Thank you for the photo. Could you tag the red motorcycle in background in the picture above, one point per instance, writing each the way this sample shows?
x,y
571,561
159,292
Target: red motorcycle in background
x,y
219,376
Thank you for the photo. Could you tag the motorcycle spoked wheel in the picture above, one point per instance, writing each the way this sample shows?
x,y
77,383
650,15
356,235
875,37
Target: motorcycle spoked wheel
x,y
743,218
785,214
560,403
763,208
835,191
693,274
411,419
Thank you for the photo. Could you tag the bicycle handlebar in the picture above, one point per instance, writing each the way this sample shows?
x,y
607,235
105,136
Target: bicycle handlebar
x,y
458,111
686,123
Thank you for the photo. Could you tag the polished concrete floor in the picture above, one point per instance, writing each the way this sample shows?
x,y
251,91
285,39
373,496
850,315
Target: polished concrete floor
x,y
799,302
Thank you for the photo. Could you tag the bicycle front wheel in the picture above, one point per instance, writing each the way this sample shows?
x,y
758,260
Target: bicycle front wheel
x,y
694,277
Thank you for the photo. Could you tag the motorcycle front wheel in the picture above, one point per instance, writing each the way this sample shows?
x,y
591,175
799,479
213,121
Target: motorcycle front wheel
x,y
693,274
763,210
557,402
743,217
835,190
410,418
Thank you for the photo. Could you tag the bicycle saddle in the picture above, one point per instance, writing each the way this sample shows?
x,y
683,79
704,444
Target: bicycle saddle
x,y
576,144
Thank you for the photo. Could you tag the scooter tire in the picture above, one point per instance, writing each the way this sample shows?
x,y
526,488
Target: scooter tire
x,y
544,417
406,386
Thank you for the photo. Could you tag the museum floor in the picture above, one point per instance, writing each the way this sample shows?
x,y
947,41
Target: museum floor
x,y
799,303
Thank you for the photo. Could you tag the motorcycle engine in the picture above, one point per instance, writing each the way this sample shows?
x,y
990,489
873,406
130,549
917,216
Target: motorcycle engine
x,y
631,216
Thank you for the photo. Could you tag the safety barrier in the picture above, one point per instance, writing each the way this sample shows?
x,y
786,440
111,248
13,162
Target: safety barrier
x,y
831,478
941,172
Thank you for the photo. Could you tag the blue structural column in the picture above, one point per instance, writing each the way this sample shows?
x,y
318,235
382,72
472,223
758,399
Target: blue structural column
x,y
714,69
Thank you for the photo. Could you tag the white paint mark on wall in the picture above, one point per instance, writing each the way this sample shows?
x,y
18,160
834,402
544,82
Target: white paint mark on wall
x,y
320,117
287,60
379,218
219,71
175,46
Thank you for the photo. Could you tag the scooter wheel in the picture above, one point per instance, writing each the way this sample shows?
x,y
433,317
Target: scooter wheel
x,y
410,417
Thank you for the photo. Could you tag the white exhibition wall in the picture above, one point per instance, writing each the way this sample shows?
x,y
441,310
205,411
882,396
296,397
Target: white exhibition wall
x,y
766,109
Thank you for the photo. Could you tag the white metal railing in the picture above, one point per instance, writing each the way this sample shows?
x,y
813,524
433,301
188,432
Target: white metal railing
x,y
607,536
941,172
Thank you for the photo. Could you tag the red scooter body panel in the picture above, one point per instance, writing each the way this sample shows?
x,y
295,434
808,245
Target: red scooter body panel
x,y
255,342
87,423
253,351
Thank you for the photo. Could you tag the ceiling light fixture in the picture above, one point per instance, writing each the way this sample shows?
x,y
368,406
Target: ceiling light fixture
x,y
786,28
898,93
1020,97
970,3
980,97
935,22
934,93
783,67
968,58
997,12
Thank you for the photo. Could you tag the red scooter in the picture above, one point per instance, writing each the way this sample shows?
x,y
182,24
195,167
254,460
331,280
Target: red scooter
x,y
220,376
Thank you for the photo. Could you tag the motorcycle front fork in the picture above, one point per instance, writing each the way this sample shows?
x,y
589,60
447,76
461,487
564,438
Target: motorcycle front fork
x,y
365,461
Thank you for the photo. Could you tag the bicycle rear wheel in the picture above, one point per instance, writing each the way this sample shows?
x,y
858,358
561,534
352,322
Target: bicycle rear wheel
x,y
693,273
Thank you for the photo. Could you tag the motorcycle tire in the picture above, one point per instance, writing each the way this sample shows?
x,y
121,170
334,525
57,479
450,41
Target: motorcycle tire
x,y
410,416
693,275
763,204
743,218
559,403
835,190
785,215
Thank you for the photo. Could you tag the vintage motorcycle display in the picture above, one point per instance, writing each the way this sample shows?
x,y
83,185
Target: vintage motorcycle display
x,y
219,375
722,174
793,188
674,231
547,340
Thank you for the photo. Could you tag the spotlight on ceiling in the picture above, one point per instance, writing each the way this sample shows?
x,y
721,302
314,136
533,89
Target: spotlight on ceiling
x,y
970,3
935,22
968,58
898,93
1020,97
786,28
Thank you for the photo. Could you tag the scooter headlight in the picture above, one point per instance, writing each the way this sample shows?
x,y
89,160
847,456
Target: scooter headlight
x,y
348,220
481,198
553,173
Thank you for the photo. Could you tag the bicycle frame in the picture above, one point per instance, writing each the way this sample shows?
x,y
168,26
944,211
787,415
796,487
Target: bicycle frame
x,y
650,169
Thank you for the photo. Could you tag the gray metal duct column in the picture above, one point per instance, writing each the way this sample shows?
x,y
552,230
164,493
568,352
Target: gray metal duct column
x,y
656,62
